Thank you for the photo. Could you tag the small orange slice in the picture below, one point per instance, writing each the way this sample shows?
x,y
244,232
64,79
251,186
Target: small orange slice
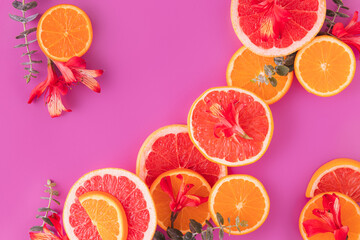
x,y
325,67
240,196
162,200
107,214
350,216
64,31
246,65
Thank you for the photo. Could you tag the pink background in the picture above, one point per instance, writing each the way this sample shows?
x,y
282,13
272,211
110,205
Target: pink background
x,y
158,56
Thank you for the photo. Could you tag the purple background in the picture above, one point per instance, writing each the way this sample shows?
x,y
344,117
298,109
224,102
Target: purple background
x,y
158,56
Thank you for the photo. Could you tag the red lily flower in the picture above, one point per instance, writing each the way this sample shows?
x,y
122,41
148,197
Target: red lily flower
x,y
183,199
330,219
47,234
349,34
274,18
74,71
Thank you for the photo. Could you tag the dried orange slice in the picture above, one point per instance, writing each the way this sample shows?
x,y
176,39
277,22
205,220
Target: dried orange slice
x,y
162,200
245,66
325,67
106,213
240,196
64,31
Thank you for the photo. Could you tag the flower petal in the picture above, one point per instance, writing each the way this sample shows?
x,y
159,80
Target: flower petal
x,y
87,78
38,91
342,233
55,220
353,28
45,235
54,103
314,226
76,62
166,186
352,41
66,72
338,30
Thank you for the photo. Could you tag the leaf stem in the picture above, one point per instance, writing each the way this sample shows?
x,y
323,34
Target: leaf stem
x,y
49,204
27,47
333,20
173,218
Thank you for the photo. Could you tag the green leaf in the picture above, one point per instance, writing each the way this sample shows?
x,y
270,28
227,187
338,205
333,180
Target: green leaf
x,y
253,80
25,44
279,60
221,234
17,18
27,32
209,234
174,233
273,81
209,223
159,236
32,17
269,70
219,219
195,227
244,223
29,53
46,210
27,6
330,13
188,236
338,2
47,220
282,70
328,20
36,229
229,220
289,61
237,223
343,15
345,7
204,235
262,79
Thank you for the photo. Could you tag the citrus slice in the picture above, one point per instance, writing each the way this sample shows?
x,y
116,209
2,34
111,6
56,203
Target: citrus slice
x,y
169,148
350,216
245,66
128,188
106,213
162,200
339,175
230,126
64,31
277,28
240,196
325,67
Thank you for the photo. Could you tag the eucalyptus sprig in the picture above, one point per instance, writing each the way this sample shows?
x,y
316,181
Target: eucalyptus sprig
x,y
332,15
206,232
50,185
24,7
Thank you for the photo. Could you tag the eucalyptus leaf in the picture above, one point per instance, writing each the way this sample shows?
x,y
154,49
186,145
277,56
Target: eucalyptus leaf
x,y
204,235
188,236
343,15
17,18
195,226
328,20
344,7
36,229
273,81
244,223
282,70
253,80
263,79
25,44
29,53
46,210
209,223
330,13
269,70
219,219
32,17
279,60
338,2
47,220
209,234
174,233
27,6
289,61
221,234
27,32
159,236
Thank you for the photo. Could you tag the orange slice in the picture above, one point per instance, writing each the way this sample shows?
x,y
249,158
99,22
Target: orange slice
x,y
64,31
240,196
245,66
230,126
325,67
350,216
106,213
339,175
162,200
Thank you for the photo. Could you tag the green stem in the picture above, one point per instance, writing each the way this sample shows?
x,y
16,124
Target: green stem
x,y
27,48
333,20
173,218
49,204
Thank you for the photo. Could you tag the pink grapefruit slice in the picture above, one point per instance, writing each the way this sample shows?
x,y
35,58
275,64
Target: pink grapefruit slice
x,y
131,192
170,148
277,27
230,126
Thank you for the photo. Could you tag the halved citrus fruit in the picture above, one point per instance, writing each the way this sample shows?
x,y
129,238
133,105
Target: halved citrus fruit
x,y
245,66
64,31
350,216
162,200
170,148
106,213
240,196
230,126
128,188
277,28
339,175
325,67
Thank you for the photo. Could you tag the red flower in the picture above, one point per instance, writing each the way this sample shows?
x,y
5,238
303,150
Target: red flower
x,y
330,219
183,199
47,234
273,20
74,71
349,34
53,87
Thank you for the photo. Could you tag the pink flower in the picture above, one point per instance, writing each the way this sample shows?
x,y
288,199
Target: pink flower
x,y
349,34
74,71
274,18
330,219
183,199
53,87
47,234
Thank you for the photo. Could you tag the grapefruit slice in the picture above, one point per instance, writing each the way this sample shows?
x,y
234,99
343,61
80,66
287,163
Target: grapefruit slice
x,y
350,216
230,126
131,192
106,213
339,175
245,66
277,28
170,148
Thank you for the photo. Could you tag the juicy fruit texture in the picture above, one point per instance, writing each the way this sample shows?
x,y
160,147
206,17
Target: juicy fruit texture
x,y
339,175
162,200
243,196
325,67
170,148
230,126
350,216
106,213
277,28
64,31
246,65
131,192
